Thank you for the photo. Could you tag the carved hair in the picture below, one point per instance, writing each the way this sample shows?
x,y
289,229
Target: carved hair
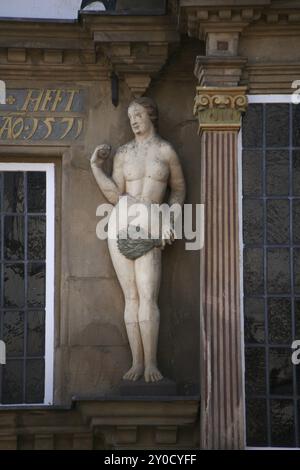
x,y
150,106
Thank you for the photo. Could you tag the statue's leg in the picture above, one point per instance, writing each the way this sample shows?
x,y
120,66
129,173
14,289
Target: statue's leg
x,y
126,275
148,274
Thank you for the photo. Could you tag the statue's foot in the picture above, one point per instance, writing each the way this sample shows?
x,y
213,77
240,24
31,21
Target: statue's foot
x,y
152,374
134,373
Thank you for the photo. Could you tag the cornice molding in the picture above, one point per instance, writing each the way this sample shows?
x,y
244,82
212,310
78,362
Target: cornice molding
x,y
270,78
201,17
136,48
223,3
102,424
219,71
222,24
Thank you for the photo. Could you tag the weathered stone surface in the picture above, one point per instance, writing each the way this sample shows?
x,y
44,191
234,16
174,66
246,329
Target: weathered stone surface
x,y
96,318
96,370
140,388
96,424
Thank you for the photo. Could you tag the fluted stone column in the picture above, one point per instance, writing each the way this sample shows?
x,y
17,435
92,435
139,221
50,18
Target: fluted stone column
x,y
222,402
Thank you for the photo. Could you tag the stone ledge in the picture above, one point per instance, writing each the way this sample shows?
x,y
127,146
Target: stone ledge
x,y
103,424
218,3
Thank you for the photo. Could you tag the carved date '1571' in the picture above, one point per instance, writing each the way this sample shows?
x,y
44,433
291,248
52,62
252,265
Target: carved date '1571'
x,y
42,115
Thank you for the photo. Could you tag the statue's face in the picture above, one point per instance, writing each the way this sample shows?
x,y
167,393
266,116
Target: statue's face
x,y
139,119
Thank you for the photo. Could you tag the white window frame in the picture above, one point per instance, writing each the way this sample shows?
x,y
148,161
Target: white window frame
x,y
261,99
269,99
49,169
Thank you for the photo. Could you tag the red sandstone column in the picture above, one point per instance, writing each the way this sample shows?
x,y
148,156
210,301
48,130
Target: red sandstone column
x,y
222,397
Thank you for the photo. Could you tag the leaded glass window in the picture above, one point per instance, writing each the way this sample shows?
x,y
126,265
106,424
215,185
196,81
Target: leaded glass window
x,y
23,236
271,236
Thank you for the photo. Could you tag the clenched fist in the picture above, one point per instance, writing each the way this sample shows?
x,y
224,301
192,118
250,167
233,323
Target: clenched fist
x,y
101,153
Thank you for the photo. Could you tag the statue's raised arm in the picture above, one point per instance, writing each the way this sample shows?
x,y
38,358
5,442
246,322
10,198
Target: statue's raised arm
x,y
111,187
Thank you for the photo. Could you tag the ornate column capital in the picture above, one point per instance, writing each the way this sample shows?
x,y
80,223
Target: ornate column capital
x,y
220,108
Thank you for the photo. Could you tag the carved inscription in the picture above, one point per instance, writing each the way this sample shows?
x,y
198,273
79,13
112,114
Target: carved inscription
x,y
42,115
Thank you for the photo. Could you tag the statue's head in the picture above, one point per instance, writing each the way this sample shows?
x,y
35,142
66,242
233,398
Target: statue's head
x,y
143,115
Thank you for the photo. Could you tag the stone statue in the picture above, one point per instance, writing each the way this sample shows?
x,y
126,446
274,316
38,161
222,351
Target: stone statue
x,y
142,171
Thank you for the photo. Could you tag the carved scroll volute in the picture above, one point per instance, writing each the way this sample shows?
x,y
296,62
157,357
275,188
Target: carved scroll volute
x,y
220,108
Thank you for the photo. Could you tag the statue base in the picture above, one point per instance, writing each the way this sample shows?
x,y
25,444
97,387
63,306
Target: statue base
x,y
140,388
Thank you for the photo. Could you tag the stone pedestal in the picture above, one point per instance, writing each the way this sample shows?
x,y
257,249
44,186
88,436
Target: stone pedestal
x,y
140,388
222,402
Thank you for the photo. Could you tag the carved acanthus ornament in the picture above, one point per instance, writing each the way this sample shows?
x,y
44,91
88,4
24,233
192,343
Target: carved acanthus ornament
x,y
220,108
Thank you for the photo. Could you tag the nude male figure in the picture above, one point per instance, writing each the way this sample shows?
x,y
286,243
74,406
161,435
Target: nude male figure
x,y
143,169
